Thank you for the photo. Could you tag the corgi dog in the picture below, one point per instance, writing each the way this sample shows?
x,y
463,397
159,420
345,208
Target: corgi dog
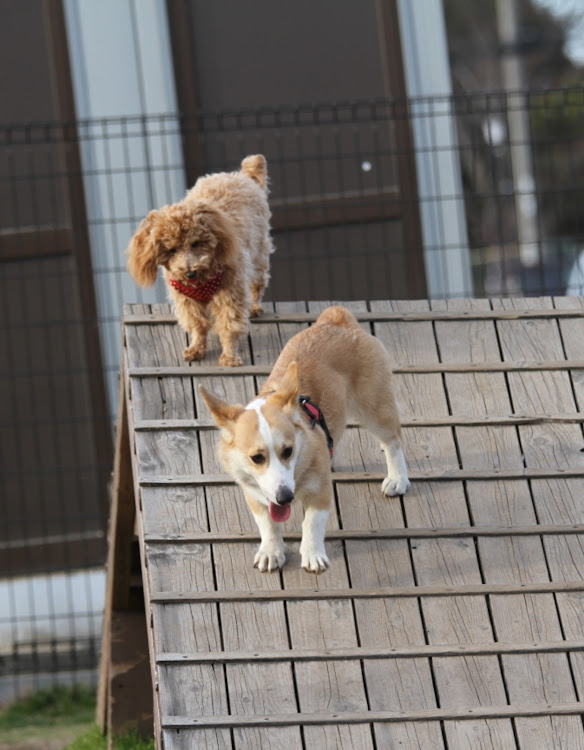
x,y
278,447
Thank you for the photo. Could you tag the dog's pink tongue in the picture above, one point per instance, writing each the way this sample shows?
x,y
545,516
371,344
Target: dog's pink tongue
x,y
280,513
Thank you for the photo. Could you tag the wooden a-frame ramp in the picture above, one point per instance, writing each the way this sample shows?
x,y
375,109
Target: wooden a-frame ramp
x,y
452,618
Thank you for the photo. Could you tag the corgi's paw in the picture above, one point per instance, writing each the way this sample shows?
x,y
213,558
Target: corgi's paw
x,y
393,486
269,557
256,309
230,360
314,560
193,352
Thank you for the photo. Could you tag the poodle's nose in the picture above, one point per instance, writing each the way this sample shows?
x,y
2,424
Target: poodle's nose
x,y
192,275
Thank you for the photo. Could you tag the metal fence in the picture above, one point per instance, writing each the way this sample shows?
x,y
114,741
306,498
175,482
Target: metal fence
x,y
446,197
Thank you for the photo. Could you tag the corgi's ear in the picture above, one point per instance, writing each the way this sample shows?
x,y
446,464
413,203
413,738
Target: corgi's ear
x,y
223,413
287,393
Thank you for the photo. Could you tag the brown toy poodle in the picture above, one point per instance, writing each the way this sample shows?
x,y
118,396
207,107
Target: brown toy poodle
x,y
214,247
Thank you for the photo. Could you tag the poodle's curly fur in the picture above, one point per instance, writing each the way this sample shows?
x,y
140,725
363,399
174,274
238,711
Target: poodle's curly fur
x,y
222,225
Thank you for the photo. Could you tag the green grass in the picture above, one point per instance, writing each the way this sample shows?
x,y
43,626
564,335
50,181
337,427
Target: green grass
x,y
93,739
49,708
54,716
64,716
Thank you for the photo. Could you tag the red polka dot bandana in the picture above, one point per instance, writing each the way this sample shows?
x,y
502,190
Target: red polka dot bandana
x,y
202,291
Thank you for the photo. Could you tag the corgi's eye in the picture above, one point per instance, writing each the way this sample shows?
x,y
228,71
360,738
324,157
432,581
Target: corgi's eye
x,y
172,250
195,244
258,458
287,452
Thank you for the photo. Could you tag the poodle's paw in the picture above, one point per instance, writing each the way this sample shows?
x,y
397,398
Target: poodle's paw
x,y
269,557
194,352
393,486
256,310
230,360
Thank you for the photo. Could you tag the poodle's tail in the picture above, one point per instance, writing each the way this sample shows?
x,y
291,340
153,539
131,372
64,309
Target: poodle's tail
x,y
256,167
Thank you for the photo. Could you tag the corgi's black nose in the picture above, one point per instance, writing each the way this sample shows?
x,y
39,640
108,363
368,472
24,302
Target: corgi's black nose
x,y
192,275
284,495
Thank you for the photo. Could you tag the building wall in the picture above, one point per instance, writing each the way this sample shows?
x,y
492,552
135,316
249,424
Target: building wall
x,y
427,72
130,75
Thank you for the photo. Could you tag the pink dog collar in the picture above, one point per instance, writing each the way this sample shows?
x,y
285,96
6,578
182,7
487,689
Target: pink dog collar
x,y
316,417
202,292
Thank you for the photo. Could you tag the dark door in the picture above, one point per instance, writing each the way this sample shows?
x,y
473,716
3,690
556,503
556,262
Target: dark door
x,y
55,443
344,196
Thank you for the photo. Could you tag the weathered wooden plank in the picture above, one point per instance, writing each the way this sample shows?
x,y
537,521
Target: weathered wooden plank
x,y
469,681
174,511
133,405
353,477
338,653
168,453
157,346
404,685
187,627
559,500
455,590
197,691
497,447
327,685
120,535
400,684
398,369
204,739
448,421
300,316
173,567
545,445
571,333
528,678
438,714
381,533
174,452
252,687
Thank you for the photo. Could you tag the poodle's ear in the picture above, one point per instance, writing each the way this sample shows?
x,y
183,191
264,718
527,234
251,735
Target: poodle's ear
x,y
218,223
143,252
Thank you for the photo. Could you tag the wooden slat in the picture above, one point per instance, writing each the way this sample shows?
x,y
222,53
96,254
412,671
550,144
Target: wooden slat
x,y
400,533
120,535
328,685
151,400
534,678
454,475
567,559
216,371
350,717
506,559
403,652
469,681
483,589
451,421
381,316
254,688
